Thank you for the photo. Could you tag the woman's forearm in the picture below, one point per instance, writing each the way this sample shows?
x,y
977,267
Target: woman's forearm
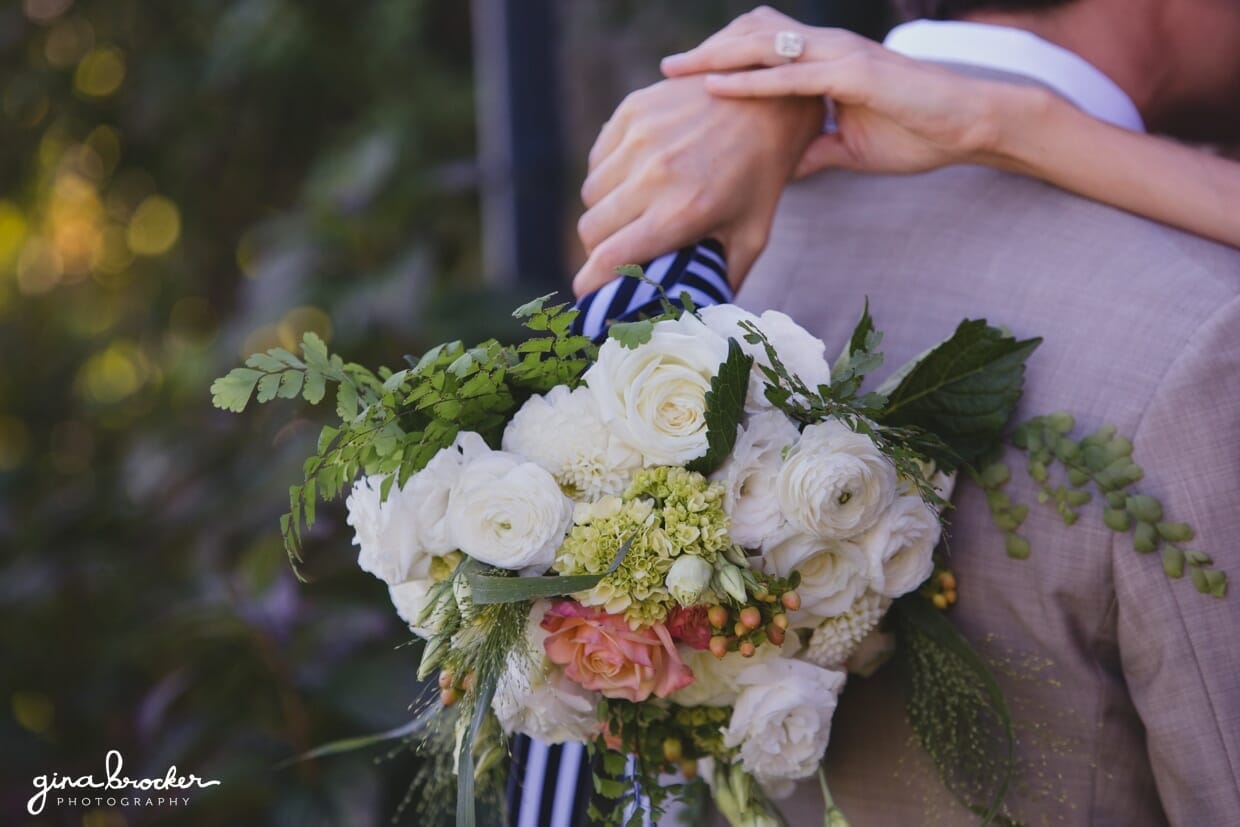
x,y
1041,135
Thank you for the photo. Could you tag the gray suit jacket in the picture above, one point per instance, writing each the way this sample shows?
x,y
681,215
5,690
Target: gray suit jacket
x,y
1125,685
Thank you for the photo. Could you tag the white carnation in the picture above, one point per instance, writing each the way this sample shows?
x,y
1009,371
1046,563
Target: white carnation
x,y
800,351
835,640
903,542
834,573
748,476
564,433
508,512
835,482
535,697
781,721
654,396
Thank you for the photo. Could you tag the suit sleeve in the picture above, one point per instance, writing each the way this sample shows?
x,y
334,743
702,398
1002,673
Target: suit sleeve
x,y
1180,649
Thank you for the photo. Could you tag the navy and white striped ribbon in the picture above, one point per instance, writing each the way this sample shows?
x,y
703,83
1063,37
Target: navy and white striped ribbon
x,y
550,785
700,271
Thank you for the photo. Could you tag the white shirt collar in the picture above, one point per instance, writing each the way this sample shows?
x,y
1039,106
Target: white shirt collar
x,y
1019,52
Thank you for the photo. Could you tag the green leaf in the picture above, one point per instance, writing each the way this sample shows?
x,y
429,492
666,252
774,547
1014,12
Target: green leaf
x,y
725,403
290,384
632,335
346,401
486,589
314,388
232,392
631,271
862,336
964,391
268,385
531,307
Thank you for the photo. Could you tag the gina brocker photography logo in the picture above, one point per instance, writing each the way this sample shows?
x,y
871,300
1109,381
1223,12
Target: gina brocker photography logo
x,y
115,789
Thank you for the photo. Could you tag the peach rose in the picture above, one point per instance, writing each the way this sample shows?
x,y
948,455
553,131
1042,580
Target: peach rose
x,y
600,652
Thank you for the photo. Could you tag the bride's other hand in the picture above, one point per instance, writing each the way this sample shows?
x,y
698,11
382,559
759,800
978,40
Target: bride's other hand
x,y
676,164
893,114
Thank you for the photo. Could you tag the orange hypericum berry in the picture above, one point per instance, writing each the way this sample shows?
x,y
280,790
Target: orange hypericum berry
x,y
719,646
445,679
775,634
718,616
751,617
448,696
747,648
781,620
791,601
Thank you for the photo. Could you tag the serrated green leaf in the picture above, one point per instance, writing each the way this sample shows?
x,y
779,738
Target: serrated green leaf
x,y
232,391
964,391
632,335
725,403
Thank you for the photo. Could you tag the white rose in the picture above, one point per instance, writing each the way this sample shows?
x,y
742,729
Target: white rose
x,y
535,697
688,578
801,352
715,679
903,542
835,482
399,536
748,476
654,397
410,598
564,433
781,720
834,573
508,512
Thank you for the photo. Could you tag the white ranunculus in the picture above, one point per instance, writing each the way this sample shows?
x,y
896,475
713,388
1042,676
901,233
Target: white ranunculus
x,y
399,536
563,432
835,482
688,578
748,476
654,396
535,697
508,512
903,542
715,679
410,598
834,573
781,720
801,352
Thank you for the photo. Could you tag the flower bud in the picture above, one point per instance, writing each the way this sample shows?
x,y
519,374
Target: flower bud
x,y
432,656
688,578
729,579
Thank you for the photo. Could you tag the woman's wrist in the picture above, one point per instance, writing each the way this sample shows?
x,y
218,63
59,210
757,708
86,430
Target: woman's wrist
x,y
1017,118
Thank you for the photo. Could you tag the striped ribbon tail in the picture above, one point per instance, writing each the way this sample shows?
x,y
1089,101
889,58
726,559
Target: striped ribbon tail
x,y
699,271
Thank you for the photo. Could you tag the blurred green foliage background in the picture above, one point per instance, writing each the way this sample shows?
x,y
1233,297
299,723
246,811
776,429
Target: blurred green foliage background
x,y
182,184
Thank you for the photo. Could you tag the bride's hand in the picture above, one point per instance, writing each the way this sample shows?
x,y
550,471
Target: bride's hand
x,y
894,114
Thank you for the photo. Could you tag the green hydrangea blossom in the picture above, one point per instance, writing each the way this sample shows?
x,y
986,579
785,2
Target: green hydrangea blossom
x,y
667,512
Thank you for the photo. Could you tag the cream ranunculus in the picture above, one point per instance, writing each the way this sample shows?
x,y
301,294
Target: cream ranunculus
x,y
835,482
563,432
654,396
781,721
535,697
508,512
800,351
834,573
903,542
750,496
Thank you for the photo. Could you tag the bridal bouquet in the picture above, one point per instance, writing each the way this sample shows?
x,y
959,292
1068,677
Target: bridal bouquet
x,y
672,547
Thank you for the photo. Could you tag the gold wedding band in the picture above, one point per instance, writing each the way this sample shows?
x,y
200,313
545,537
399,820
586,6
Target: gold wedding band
x,y
789,44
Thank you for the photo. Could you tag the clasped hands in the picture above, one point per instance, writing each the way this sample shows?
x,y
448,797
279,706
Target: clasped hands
x,y
707,151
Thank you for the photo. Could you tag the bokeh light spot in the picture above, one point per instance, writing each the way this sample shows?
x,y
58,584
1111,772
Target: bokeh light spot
x,y
12,233
114,258
68,42
155,226
14,442
106,143
113,374
39,268
34,711
44,11
72,447
101,72
104,818
301,320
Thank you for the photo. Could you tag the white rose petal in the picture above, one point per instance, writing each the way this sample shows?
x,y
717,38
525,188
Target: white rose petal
x,y
563,432
508,512
834,573
781,720
800,351
715,679
835,482
535,697
750,496
410,599
654,397
903,542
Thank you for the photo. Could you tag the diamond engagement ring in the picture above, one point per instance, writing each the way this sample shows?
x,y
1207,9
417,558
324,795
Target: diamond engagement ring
x,y
789,44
